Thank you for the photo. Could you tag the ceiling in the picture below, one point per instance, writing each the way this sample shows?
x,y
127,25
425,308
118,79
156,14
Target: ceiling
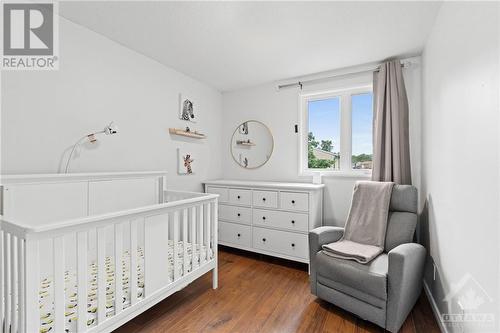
x,y
231,45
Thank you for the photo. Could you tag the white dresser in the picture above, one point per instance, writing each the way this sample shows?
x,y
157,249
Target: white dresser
x,y
272,218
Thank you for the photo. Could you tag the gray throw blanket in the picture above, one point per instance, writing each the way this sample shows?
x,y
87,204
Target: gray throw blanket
x,y
364,234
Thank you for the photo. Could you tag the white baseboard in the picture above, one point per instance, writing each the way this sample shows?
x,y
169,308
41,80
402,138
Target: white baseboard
x,y
435,309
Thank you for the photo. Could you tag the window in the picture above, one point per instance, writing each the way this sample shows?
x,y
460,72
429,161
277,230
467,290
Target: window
x,y
336,132
323,139
362,131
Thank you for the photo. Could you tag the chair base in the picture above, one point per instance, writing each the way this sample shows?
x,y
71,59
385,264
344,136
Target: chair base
x,y
360,308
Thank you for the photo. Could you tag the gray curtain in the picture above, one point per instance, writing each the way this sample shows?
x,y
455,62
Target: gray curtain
x,y
391,147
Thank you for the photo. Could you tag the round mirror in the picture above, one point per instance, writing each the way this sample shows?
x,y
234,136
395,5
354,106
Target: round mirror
x,y
252,144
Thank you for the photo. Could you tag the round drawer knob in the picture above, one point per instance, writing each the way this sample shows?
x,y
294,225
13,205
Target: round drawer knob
x,y
293,222
263,217
263,199
239,214
239,235
293,201
293,244
239,197
263,239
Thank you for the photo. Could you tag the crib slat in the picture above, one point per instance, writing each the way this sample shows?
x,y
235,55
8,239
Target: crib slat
x,y
207,231
200,232
184,241
118,268
82,281
192,226
59,277
6,249
1,282
101,275
167,220
215,217
176,239
133,262
13,279
20,286
32,272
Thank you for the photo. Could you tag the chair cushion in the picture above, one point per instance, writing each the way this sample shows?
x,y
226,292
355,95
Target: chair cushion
x,y
402,219
400,229
404,198
367,282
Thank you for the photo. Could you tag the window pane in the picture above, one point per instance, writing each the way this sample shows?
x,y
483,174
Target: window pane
x,y
362,129
324,134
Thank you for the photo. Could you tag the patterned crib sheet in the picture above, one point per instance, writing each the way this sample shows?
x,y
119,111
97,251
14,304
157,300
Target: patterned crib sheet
x,y
46,301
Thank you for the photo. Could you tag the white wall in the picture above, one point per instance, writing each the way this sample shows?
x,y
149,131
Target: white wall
x,y
44,113
279,111
460,153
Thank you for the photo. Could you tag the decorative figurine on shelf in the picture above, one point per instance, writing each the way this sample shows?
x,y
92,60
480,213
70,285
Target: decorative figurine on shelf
x,y
188,129
187,163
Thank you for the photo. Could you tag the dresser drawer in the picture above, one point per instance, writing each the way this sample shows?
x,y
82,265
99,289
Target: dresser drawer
x,y
287,243
240,197
277,219
235,214
221,191
267,199
235,234
295,201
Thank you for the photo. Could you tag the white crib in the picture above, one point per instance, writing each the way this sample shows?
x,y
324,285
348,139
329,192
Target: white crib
x,y
88,252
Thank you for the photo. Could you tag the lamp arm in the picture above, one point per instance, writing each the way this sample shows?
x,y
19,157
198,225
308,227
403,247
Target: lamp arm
x,y
76,145
110,129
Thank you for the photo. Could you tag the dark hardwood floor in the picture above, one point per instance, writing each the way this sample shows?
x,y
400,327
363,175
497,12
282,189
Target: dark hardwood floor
x,y
259,294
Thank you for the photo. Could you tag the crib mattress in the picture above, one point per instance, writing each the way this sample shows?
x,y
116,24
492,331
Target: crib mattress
x,y
71,296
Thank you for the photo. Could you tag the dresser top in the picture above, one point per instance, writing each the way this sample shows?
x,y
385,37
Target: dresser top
x,y
264,184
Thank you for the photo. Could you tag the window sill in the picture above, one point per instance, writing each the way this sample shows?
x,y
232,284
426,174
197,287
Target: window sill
x,y
340,174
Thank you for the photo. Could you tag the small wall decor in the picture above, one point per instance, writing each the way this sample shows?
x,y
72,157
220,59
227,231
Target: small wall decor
x,y
187,109
184,162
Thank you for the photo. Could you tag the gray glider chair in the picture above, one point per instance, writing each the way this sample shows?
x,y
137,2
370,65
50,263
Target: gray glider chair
x,y
385,290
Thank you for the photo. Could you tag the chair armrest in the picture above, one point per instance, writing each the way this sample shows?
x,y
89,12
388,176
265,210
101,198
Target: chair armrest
x,y
317,238
324,235
405,277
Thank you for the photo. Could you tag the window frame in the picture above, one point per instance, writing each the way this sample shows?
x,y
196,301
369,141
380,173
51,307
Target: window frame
x,y
345,144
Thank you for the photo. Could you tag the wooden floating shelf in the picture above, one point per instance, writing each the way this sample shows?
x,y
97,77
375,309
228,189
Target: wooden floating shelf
x,y
178,131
